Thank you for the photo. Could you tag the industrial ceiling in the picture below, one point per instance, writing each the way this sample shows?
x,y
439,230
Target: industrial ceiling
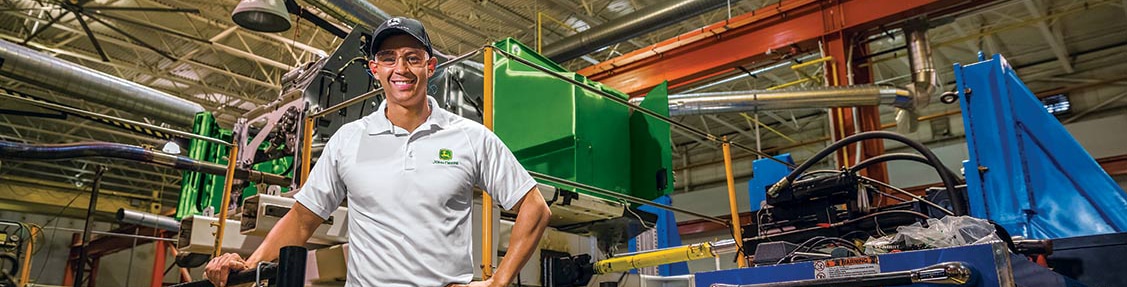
x,y
205,59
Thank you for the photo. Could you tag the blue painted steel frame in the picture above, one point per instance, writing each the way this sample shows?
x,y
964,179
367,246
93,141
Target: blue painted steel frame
x,y
1026,171
991,264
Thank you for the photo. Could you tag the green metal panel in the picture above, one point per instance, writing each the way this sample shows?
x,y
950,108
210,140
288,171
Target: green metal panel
x,y
559,129
651,148
199,190
191,183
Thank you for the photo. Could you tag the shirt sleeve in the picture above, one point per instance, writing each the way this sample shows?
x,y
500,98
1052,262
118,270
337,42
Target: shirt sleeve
x,y
500,174
323,192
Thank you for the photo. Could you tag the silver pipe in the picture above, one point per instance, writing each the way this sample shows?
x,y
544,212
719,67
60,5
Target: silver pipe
x,y
147,220
920,61
742,101
38,69
724,246
20,151
352,12
97,115
628,26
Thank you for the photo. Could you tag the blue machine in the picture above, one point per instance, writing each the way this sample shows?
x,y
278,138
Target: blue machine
x,y
1026,172
667,236
766,172
991,265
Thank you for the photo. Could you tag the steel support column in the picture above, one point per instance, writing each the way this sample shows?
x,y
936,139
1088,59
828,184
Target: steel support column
x,y
845,120
159,251
83,251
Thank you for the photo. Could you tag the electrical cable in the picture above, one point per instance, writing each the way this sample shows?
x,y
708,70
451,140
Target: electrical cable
x,y
900,156
52,238
820,171
913,196
1004,235
885,194
469,99
958,199
856,231
810,244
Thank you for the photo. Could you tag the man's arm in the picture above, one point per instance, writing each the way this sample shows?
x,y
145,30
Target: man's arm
x,y
532,219
294,228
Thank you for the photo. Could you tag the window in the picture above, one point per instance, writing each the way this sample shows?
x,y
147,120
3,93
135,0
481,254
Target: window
x,y
1057,104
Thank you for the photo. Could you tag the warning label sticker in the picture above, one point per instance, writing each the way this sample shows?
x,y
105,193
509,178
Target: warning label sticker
x,y
846,267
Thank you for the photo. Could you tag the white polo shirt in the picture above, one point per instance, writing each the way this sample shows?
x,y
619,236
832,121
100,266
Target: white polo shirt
x,y
410,194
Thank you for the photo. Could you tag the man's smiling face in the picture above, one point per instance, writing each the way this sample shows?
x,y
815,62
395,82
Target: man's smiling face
x,y
403,67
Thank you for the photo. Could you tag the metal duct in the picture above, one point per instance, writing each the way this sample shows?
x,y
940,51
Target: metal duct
x,y
352,12
743,101
38,69
919,59
628,26
924,79
20,151
147,220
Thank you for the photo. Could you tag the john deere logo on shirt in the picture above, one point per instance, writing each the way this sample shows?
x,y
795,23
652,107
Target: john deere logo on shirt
x,y
444,157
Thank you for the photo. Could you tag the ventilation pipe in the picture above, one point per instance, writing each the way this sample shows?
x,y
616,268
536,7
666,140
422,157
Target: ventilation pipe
x,y
745,101
147,220
38,69
353,12
628,26
924,79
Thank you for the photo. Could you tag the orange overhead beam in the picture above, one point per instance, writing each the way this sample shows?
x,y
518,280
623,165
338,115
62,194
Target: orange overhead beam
x,y
722,47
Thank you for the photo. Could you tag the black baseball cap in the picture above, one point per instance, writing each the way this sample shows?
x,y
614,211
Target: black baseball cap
x,y
400,25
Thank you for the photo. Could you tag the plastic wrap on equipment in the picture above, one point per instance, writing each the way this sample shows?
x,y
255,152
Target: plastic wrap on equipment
x,y
949,231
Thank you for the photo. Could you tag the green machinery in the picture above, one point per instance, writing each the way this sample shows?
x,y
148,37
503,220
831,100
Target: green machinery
x,y
559,129
551,126
198,190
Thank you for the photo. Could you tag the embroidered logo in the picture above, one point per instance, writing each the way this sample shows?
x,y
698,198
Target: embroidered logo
x,y
444,157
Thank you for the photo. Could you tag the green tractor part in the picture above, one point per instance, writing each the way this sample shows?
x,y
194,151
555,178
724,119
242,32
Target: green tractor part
x,y
559,129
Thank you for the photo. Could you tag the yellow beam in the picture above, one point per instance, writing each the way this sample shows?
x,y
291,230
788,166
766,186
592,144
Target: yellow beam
x,y
232,159
787,85
306,150
732,205
25,267
486,200
655,258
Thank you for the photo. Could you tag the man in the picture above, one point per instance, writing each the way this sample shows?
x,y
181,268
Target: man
x,y
408,170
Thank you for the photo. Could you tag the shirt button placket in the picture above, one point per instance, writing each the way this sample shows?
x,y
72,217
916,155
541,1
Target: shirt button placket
x,y
409,161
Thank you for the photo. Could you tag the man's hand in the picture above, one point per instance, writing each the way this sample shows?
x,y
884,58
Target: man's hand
x,y
219,267
486,283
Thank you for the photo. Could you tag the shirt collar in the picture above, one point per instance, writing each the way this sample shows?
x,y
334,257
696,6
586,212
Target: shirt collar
x,y
379,124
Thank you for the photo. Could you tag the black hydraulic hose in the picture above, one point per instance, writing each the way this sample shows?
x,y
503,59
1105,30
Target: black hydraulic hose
x,y
20,151
898,156
268,271
288,272
957,199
